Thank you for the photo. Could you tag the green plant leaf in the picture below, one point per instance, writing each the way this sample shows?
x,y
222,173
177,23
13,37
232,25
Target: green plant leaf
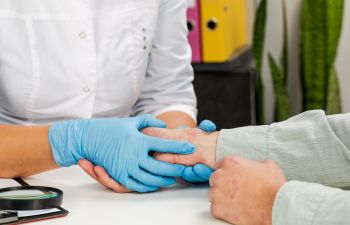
x,y
313,54
334,27
320,31
259,34
258,51
333,97
284,55
282,104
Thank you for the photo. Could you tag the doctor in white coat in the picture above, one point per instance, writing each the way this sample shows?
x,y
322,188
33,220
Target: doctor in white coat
x,y
64,62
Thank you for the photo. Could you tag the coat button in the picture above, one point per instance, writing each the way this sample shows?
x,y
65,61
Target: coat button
x,y
86,89
82,35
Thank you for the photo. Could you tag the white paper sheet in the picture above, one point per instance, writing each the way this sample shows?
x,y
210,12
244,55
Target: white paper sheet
x,y
8,183
36,212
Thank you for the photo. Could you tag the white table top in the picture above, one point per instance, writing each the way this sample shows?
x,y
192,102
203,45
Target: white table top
x,y
90,203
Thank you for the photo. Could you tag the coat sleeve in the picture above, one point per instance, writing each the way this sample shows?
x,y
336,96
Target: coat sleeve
x,y
309,147
311,204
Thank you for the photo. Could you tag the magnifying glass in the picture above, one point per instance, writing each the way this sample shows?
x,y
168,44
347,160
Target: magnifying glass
x,y
30,198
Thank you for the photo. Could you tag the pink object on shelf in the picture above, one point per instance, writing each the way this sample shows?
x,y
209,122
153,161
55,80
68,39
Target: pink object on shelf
x,y
194,36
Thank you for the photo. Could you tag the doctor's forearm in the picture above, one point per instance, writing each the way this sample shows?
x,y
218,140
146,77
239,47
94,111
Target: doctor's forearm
x,y
24,151
175,119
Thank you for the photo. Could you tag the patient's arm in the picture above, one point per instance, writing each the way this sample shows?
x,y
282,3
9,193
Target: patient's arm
x,y
310,147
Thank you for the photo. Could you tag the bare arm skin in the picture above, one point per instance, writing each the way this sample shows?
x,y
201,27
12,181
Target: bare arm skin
x,y
24,151
175,119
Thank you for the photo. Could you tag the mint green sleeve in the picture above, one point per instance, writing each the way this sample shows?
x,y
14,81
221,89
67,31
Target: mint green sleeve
x,y
310,204
309,147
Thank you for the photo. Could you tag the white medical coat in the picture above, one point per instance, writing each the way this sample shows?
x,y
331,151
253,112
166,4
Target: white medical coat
x,y
65,59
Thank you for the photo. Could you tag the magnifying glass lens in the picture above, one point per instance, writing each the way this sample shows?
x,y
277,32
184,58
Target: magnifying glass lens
x,y
30,198
26,194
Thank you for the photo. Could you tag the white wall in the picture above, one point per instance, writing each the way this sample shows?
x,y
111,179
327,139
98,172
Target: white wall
x,y
273,44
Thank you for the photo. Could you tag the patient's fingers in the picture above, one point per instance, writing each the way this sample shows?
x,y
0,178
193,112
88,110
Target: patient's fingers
x,y
101,176
88,167
187,160
171,134
187,135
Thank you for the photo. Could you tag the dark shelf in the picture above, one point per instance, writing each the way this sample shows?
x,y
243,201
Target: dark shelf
x,y
227,98
244,58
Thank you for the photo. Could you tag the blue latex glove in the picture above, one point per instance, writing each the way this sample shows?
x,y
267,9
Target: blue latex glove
x,y
120,147
200,172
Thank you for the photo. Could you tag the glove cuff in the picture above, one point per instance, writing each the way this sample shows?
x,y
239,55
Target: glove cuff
x,y
65,141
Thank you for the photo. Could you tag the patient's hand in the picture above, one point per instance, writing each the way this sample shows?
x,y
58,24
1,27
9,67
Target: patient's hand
x,y
205,144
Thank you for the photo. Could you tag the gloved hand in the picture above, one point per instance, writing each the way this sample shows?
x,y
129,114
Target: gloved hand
x,y
200,172
120,147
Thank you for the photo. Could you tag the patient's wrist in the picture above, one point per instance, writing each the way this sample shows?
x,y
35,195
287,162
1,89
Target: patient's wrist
x,y
208,143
